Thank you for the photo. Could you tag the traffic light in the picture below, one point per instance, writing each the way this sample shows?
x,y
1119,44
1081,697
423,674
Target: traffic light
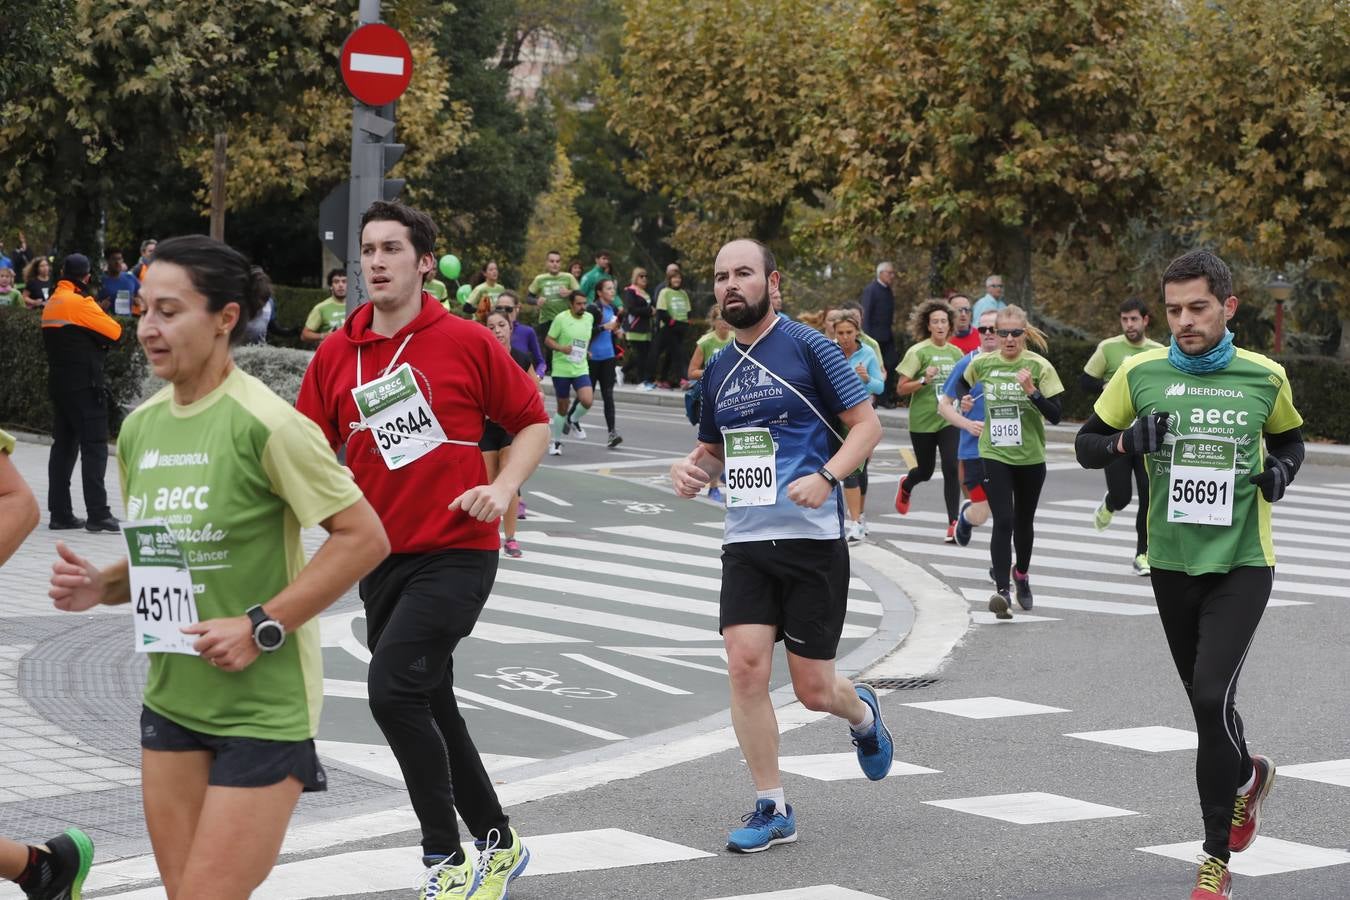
x,y
390,188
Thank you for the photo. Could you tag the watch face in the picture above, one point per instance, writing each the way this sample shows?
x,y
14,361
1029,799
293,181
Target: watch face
x,y
269,635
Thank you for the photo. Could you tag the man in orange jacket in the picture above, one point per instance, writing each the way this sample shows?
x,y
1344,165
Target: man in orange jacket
x,y
77,334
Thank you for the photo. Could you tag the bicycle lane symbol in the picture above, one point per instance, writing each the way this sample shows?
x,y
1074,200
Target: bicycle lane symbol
x,y
529,678
640,507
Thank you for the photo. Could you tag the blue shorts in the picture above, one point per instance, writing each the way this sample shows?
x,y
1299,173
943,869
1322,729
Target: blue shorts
x,y
562,387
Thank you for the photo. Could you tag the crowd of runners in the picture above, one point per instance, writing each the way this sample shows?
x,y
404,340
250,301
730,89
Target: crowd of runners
x,y
412,459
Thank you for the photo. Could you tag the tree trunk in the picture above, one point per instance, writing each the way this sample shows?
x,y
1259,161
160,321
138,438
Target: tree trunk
x,y
938,258
218,188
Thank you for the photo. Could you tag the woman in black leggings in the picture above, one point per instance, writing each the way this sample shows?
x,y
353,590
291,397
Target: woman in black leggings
x,y
1021,391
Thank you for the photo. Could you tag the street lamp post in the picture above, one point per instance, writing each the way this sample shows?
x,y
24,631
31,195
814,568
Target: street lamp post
x,y
1280,288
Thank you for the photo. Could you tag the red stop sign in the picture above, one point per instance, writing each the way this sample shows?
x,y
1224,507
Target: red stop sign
x,y
376,64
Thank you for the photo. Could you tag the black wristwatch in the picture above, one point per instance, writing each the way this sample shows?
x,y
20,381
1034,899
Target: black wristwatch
x,y
828,476
268,633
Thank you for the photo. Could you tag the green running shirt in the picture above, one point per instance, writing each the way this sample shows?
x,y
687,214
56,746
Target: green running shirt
x,y
327,316
923,405
1106,360
237,475
1001,390
566,329
675,302
1249,398
552,291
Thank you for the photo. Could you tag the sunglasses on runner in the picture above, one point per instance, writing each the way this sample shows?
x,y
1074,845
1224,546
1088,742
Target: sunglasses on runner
x,y
504,309
986,329
1011,332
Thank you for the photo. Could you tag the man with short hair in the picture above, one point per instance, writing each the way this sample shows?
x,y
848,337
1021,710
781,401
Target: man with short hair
x,y
119,291
602,269
992,299
777,406
1105,361
147,257
550,291
402,360
328,314
963,335
77,334
1201,411
878,309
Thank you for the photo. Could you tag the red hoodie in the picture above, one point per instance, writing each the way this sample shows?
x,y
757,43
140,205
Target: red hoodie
x,y
466,376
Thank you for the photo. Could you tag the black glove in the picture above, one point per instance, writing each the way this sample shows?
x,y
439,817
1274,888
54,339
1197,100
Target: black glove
x,y
1146,434
1273,480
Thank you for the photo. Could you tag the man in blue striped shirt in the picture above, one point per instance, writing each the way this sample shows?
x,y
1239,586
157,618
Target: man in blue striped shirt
x,y
777,404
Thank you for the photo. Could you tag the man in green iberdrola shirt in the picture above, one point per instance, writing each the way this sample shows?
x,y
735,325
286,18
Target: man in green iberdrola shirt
x,y
327,315
549,291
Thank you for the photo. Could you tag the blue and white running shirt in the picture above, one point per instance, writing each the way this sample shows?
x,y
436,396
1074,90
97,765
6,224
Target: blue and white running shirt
x,y
739,394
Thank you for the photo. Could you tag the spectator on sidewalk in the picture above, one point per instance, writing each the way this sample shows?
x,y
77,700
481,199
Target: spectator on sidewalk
x,y
992,299
77,335
637,326
147,256
9,294
878,322
328,315
37,283
120,289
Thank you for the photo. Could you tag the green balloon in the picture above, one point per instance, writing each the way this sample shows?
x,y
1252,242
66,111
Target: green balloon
x,y
462,295
449,266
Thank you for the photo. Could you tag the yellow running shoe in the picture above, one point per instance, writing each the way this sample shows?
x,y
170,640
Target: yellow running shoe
x,y
447,881
498,866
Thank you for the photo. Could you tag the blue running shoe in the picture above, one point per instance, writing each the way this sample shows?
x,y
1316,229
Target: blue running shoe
x,y
715,494
963,528
763,828
875,749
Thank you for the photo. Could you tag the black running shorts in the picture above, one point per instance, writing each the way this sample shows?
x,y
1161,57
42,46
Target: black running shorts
x,y
494,437
238,761
798,586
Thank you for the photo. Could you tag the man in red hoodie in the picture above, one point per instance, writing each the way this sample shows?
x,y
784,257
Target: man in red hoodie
x,y
405,386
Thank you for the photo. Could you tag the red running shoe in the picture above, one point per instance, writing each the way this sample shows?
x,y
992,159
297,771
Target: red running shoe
x,y
1247,807
1213,882
902,498
951,533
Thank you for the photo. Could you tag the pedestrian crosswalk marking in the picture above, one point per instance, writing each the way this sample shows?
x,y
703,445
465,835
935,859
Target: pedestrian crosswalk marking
x,y
1332,771
981,617
1266,856
379,759
625,674
986,708
673,655
380,871
557,501
593,566
1285,516
613,621
665,535
1127,589
1111,607
815,892
842,767
1149,738
503,706
1031,808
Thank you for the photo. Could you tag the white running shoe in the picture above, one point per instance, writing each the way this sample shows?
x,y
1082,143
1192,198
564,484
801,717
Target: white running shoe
x,y
862,523
854,532
555,449
579,431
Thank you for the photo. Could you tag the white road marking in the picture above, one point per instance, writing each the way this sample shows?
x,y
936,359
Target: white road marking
x,y
842,767
986,708
1266,856
1332,771
625,674
587,565
502,705
815,892
378,758
672,655
667,535
557,612
1111,607
1126,589
1031,808
550,498
1150,738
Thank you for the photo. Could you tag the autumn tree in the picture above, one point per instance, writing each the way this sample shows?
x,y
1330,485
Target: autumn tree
x,y
1252,101
986,129
555,224
711,97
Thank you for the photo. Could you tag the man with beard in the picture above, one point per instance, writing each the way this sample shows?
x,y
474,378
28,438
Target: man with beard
x,y
777,404
1097,372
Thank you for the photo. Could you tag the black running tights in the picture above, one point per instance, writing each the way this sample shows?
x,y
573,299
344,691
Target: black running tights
x,y
926,447
1013,493
1210,621
602,376
1121,474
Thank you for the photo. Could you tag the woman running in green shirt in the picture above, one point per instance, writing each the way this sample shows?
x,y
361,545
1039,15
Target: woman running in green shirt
x,y
220,476
1021,391
923,372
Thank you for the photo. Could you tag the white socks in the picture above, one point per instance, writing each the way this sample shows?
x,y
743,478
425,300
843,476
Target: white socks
x,y
776,795
865,725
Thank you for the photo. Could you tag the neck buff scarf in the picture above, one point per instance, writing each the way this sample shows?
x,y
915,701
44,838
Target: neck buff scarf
x,y
1215,359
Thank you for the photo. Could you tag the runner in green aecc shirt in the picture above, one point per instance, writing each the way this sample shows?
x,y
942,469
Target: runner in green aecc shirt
x,y
219,476
1198,411
1021,393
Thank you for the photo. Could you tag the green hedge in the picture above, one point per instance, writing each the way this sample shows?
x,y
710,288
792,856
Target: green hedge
x,y
23,372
